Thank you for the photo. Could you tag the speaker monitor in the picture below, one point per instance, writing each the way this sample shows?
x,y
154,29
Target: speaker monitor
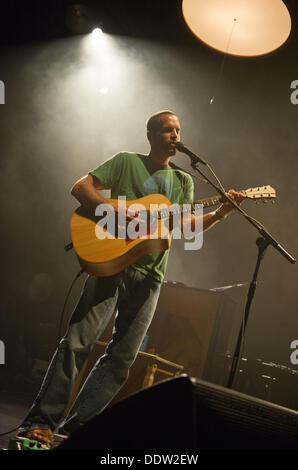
x,y
187,413
196,328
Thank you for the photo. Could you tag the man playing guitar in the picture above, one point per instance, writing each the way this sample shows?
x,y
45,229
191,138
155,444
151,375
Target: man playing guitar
x,y
133,291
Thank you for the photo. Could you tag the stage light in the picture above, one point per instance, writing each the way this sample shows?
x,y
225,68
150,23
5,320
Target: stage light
x,y
96,37
104,91
97,33
239,27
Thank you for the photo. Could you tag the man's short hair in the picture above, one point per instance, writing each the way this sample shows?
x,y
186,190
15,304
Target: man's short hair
x,y
153,122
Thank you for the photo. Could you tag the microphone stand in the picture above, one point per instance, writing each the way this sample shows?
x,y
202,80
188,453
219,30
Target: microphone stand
x,y
262,242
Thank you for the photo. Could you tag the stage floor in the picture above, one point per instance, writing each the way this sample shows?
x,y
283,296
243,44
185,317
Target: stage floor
x,y
13,408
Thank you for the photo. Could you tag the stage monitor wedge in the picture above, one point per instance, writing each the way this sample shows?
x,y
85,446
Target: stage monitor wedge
x,y
185,413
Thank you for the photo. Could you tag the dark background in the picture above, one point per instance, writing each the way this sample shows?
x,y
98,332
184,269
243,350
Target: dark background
x,y
56,126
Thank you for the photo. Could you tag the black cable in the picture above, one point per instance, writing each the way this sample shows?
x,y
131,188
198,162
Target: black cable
x,y
8,432
65,302
59,332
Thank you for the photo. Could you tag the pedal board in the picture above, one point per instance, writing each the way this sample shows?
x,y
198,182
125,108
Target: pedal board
x,y
23,443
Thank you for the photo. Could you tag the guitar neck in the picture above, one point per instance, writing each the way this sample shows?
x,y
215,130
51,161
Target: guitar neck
x,y
185,208
206,202
209,201
214,200
261,193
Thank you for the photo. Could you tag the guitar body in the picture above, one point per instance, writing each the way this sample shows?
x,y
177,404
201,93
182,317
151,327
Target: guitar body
x,y
100,255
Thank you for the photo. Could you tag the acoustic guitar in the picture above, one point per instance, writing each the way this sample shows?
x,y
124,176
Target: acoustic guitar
x,y
103,252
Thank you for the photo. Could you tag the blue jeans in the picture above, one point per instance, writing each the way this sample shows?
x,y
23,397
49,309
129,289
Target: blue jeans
x,y
135,297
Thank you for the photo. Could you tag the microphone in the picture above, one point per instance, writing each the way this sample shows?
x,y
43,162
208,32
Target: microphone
x,y
194,158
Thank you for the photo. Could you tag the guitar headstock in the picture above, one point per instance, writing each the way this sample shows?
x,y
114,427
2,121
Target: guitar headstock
x,y
264,193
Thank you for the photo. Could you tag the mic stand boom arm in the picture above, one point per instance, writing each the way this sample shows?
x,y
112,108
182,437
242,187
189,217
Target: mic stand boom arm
x,y
265,234
262,242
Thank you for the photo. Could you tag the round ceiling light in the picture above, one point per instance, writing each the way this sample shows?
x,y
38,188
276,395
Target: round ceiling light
x,y
239,27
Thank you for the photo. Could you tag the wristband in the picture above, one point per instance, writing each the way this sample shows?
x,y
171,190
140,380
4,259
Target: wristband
x,y
219,217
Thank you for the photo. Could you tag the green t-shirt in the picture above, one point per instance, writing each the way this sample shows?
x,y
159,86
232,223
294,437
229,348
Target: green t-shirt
x,y
131,175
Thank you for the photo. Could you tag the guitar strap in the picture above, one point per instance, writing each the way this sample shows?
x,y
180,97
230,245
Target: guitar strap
x,y
176,167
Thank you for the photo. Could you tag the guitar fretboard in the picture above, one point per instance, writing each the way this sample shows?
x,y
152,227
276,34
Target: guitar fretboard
x,y
209,201
187,208
264,193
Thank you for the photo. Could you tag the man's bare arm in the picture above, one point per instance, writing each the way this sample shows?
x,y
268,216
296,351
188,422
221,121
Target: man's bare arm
x,y
210,219
85,191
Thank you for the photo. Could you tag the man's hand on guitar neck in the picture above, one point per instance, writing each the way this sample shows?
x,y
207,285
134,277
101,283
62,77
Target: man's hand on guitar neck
x,y
226,208
211,218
